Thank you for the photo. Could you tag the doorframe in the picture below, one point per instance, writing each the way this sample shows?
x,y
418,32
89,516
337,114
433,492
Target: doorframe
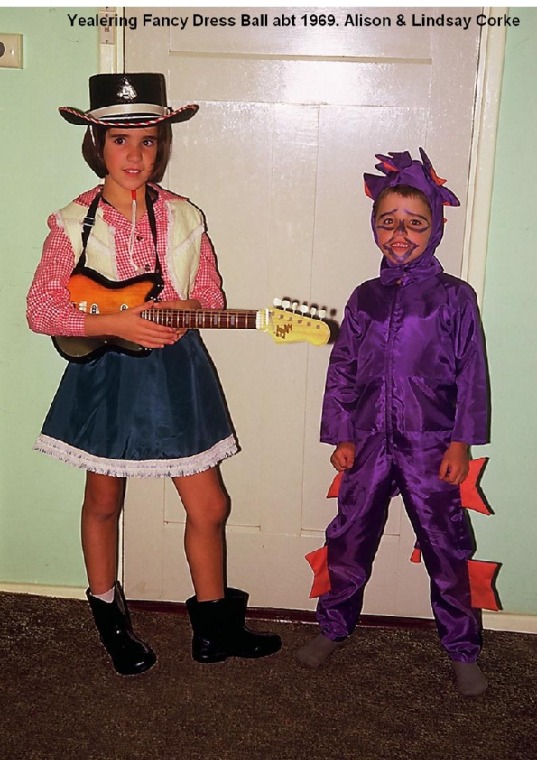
x,y
483,154
111,43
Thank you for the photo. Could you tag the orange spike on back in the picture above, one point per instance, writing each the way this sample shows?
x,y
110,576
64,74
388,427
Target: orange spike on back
x,y
333,491
318,560
471,497
482,575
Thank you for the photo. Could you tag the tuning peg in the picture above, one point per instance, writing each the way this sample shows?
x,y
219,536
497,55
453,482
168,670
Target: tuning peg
x,y
276,302
313,311
322,313
286,303
304,308
294,305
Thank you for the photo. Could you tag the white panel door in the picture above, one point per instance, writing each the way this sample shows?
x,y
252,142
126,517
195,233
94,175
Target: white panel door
x,y
289,120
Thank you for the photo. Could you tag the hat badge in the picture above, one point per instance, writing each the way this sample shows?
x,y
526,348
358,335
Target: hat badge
x,y
126,92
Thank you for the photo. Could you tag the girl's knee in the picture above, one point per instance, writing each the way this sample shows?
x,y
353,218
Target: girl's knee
x,y
220,509
204,498
214,511
101,509
103,497
208,511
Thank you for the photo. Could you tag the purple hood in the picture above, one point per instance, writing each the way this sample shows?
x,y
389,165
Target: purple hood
x,y
400,169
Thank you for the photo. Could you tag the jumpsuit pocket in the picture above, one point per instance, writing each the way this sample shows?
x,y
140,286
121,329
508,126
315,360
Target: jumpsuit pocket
x,y
433,401
369,411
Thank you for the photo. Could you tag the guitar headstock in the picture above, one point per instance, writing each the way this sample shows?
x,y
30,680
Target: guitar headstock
x,y
292,322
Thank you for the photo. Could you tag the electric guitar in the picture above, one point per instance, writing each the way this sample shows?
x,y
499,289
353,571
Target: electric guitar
x,y
97,295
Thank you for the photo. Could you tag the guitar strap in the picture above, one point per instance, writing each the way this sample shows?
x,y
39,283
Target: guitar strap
x,y
87,224
89,221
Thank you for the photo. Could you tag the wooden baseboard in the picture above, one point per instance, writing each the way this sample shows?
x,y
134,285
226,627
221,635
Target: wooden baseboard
x,y
503,621
494,621
60,592
306,617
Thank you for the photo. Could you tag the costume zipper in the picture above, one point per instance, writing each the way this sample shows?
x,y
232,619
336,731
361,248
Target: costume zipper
x,y
388,411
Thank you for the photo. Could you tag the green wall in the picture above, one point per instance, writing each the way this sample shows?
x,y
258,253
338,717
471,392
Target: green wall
x,y
39,499
510,320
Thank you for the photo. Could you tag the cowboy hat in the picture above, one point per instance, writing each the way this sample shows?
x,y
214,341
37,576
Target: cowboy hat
x,y
127,100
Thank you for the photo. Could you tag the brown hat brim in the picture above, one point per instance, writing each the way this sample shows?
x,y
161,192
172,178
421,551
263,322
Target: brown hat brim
x,y
76,116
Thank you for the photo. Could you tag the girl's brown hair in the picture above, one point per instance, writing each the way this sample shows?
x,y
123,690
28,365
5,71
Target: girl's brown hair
x,y
93,146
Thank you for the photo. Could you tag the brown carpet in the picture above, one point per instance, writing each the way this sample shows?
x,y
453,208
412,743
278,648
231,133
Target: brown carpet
x,y
387,694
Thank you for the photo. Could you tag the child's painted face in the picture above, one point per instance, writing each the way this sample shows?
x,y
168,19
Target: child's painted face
x,y
402,227
129,156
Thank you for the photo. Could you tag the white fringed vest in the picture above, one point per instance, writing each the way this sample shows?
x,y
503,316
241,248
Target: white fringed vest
x,y
185,228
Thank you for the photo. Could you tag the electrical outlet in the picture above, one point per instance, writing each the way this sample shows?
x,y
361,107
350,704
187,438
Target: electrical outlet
x,y
10,51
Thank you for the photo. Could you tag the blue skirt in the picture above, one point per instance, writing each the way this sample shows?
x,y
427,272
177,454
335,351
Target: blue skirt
x,y
148,416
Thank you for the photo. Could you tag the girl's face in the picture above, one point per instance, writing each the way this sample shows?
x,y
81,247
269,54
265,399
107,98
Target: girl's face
x,y
402,227
129,156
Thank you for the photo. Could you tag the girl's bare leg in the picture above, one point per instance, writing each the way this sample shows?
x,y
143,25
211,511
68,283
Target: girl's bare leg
x,y
207,509
217,613
103,501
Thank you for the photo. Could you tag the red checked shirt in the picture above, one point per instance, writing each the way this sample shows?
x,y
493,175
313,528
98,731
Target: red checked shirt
x,y
48,308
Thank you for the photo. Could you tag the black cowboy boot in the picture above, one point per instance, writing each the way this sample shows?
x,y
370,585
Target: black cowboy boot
x,y
129,654
243,642
208,621
220,632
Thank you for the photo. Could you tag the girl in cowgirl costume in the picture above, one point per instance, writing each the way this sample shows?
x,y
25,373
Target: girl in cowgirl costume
x,y
156,415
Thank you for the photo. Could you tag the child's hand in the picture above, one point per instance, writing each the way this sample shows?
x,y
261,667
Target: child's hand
x,y
343,456
184,305
455,463
129,325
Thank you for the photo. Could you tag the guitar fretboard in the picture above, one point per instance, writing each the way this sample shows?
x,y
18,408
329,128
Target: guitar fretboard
x,y
223,319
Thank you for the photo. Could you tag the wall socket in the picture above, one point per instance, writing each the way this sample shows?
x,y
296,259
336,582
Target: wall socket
x,y
10,51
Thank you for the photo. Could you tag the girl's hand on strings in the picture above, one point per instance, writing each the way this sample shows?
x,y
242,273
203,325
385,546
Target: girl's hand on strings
x,y
181,305
129,325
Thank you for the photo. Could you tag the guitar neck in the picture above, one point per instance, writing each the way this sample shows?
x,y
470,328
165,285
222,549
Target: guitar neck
x,y
219,319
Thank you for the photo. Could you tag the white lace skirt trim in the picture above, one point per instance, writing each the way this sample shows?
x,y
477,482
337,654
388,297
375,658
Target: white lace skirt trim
x,y
144,468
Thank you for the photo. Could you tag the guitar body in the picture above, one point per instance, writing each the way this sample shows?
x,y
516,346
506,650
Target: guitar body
x,y
93,293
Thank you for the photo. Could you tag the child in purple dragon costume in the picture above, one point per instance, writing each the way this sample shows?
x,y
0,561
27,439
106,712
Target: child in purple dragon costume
x,y
406,395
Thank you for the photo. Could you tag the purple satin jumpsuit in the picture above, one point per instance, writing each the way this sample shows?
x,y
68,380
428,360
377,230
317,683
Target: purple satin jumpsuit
x,y
406,377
